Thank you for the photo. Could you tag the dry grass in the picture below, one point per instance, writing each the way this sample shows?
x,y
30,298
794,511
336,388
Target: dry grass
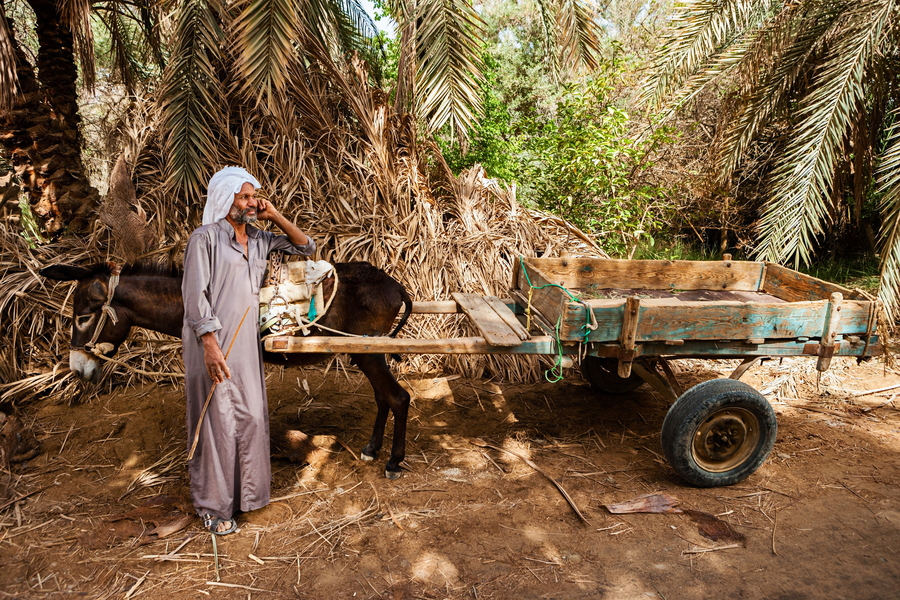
x,y
345,166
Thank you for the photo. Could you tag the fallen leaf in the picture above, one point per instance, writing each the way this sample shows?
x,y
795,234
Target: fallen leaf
x,y
713,528
648,503
172,526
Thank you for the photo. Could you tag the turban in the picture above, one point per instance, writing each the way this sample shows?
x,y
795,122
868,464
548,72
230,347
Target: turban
x,y
221,190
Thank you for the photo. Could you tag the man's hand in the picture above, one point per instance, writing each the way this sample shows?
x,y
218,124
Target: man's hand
x,y
214,359
266,211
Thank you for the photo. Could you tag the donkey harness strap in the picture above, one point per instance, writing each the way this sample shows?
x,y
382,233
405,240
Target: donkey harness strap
x,y
106,309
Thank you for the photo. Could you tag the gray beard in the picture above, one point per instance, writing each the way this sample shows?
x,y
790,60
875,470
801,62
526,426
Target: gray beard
x,y
241,216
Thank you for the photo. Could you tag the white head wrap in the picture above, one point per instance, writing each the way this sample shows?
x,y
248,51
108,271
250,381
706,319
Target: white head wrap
x,y
221,190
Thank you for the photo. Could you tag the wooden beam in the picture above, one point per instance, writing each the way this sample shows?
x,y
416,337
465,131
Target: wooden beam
x,y
829,332
674,320
449,307
501,307
491,325
650,274
385,345
792,286
627,335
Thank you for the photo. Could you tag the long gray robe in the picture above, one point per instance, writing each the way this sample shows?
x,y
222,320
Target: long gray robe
x,y
230,470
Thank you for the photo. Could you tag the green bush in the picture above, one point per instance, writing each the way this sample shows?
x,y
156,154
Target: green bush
x,y
581,164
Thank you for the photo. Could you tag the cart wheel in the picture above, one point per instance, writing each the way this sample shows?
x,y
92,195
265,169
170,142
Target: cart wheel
x,y
603,375
718,433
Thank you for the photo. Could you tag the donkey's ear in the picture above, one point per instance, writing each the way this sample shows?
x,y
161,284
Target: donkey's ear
x,y
65,272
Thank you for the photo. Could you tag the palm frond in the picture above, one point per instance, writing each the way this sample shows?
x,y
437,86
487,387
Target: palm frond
x,y
578,38
343,26
547,12
887,182
450,69
265,32
698,30
770,70
9,80
802,183
76,15
192,97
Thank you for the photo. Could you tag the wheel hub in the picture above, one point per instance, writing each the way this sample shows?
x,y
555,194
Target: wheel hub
x,y
725,439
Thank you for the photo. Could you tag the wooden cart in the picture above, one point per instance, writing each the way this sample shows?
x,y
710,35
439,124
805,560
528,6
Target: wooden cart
x,y
625,318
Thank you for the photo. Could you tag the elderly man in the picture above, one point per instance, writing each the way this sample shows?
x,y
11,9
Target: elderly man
x,y
223,268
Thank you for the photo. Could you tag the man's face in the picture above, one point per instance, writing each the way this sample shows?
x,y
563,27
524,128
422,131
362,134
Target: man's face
x,y
244,208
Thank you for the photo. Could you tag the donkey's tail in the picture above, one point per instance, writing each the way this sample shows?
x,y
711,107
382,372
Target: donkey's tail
x,y
408,304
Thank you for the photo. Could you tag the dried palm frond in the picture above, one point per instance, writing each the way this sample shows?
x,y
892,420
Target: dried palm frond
x,y
163,470
339,160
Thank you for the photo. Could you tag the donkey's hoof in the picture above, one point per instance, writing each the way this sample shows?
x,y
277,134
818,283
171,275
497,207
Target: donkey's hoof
x,y
392,474
366,457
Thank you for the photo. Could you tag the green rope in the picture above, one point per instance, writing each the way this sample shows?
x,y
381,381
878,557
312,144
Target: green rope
x,y
556,369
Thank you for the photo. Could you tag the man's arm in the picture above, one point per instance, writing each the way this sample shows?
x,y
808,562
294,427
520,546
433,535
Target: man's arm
x,y
214,359
268,212
197,310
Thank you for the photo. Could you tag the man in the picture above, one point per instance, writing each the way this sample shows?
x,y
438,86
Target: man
x,y
223,268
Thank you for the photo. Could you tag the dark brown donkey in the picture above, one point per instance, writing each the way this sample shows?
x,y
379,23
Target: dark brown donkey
x,y
367,302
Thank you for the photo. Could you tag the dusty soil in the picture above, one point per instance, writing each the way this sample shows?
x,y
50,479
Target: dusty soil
x,y
821,519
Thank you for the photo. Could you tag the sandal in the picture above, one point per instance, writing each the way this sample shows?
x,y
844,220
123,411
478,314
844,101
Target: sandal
x,y
212,524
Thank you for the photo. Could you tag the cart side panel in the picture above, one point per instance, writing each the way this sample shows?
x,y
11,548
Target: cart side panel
x,y
792,286
709,321
550,302
651,274
675,320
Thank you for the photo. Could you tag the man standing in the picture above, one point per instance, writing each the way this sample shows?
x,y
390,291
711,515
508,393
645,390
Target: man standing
x,y
224,264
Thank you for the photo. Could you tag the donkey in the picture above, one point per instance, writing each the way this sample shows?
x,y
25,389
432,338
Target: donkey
x,y
367,302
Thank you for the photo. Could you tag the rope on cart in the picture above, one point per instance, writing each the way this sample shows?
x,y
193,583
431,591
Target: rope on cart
x,y
590,323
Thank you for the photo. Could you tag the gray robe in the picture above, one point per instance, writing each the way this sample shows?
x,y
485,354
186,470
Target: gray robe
x,y
230,470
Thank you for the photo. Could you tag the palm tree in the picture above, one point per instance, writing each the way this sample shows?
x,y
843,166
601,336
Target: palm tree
x,y
39,118
825,69
227,59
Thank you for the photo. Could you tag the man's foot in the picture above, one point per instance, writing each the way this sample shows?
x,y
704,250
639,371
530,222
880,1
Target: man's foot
x,y
218,526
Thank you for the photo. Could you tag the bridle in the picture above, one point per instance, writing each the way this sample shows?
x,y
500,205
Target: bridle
x,y
106,309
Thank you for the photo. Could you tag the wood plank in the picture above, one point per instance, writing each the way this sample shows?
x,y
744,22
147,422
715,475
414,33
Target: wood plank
x,y
673,320
650,274
502,309
436,307
718,349
546,345
549,301
385,345
493,328
449,307
792,286
627,334
832,324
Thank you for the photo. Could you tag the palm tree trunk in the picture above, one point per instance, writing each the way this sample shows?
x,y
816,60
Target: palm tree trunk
x,y
41,134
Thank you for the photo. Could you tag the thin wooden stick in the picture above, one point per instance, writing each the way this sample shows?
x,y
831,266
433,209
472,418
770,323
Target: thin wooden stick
x,y
870,392
213,389
704,550
539,470
23,496
774,527
216,556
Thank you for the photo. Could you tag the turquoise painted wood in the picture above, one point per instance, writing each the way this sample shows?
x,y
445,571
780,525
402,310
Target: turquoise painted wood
x,y
801,313
714,321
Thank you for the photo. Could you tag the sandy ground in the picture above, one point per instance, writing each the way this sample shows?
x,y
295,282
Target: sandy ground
x,y
108,515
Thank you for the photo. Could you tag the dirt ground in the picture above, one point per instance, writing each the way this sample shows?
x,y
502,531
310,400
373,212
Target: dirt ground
x,y
108,515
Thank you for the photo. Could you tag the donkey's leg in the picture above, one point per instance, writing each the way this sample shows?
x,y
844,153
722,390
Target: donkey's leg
x,y
389,395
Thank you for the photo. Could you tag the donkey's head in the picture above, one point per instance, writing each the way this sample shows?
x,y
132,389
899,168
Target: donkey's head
x,y
99,321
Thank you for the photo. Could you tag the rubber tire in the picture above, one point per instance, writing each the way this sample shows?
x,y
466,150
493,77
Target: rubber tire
x,y
602,374
693,408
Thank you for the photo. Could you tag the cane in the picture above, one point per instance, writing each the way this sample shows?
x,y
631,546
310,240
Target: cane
x,y
215,383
